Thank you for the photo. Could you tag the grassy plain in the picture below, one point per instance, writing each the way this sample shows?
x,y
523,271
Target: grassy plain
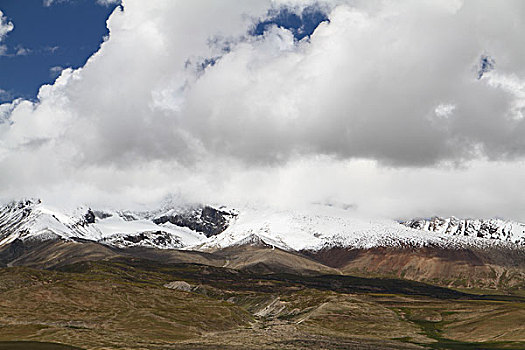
x,y
123,304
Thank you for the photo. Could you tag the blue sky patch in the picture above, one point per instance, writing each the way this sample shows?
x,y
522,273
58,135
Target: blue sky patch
x,y
300,24
46,39
486,64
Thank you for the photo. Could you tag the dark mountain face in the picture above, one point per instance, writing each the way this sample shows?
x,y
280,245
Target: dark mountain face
x,y
206,220
89,217
13,251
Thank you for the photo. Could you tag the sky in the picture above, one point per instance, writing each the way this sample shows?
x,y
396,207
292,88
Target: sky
x,y
390,108
44,38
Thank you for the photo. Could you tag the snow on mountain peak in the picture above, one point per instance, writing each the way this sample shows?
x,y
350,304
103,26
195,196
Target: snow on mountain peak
x,y
166,228
30,219
494,229
207,228
322,227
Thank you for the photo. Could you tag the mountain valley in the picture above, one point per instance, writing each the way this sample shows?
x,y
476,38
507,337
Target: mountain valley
x,y
201,277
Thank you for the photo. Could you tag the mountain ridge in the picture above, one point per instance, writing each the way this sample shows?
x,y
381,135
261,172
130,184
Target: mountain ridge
x,y
498,229
203,227
307,241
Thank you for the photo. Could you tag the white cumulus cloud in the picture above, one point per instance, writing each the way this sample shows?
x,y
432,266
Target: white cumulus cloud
x,y
6,26
376,108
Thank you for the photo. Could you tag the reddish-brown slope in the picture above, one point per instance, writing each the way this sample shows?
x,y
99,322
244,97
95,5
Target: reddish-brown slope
x,y
451,267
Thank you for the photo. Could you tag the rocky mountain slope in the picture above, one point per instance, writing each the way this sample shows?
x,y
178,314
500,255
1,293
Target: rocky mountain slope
x,y
495,229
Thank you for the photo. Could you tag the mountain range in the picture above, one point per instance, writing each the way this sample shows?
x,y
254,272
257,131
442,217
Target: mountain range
x,y
202,276
468,252
203,227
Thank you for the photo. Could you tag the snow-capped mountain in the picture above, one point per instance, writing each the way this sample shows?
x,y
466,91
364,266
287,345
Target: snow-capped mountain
x,y
201,227
161,228
495,229
30,219
323,227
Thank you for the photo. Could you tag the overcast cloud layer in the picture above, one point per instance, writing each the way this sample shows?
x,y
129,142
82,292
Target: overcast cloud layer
x,y
394,108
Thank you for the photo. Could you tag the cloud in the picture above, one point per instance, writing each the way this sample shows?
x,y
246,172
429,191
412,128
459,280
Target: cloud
x,y
48,3
4,95
22,51
108,2
363,87
19,51
55,71
51,49
381,93
6,26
